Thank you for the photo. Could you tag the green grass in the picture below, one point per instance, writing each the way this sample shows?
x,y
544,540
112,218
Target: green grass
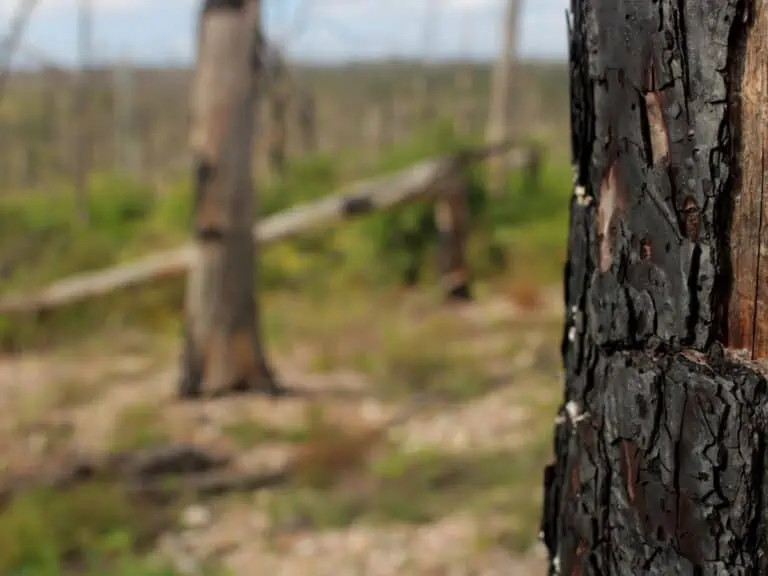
x,y
41,242
93,530
138,426
422,487
250,433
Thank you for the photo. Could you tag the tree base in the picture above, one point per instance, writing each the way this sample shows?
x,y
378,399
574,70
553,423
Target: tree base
x,y
460,293
191,383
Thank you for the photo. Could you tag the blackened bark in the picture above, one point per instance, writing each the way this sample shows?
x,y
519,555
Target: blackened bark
x,y
660,442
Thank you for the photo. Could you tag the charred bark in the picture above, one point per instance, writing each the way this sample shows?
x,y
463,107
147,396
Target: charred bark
x,y
223,349
660,445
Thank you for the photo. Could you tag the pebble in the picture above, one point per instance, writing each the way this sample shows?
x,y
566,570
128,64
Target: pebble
x,y
195,516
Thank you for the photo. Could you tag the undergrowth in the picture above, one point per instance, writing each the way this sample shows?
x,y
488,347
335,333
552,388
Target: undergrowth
x,y
522,229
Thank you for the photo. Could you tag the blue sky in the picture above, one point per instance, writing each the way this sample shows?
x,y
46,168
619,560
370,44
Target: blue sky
x,y
161,31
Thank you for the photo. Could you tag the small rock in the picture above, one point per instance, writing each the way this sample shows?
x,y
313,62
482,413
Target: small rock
x,y
306,547
195,516
372,411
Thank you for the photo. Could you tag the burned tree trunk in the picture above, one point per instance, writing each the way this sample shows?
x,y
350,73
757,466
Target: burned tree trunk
x,y
223,343
661,443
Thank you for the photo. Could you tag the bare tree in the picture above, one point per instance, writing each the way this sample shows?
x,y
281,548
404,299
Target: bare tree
x,y
463,85
82,111
423,105
501,91
660,445
279,101
11,41
307,117
123,98
224,348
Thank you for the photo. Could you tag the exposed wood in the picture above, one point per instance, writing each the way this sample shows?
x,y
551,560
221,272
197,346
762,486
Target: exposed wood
x,y
747,322
660,442
223,348
420,182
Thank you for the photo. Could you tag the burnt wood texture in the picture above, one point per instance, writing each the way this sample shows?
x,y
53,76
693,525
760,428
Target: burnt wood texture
x,y
660,443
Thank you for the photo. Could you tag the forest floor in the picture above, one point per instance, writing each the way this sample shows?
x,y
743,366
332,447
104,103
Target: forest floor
x,y
453,489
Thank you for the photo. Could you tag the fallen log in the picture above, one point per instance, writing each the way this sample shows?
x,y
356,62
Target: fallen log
x,y
419,182
141,467
165,472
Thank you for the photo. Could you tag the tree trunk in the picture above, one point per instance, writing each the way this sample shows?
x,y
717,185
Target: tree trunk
x,y
501,93
452,220
223,344
83,113
278,112
661,442
308,122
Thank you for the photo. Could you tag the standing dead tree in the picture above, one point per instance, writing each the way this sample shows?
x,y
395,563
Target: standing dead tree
x,y
82,111
307,118
278,98
452,222
11,41
224,349
501,93
661,442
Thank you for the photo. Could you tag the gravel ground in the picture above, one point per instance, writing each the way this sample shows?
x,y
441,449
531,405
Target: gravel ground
x,y
238,533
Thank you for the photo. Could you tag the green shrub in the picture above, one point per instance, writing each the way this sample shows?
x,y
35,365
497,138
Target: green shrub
x,y
46,533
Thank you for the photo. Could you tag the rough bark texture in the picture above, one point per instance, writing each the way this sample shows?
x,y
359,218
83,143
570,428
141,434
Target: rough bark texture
x,y
223,346
661,441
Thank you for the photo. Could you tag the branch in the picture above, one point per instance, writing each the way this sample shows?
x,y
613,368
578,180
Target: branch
x,y
419,182
11,41
197,471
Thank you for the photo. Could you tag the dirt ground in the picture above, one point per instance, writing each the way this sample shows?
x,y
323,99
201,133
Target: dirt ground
x,y
498,358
